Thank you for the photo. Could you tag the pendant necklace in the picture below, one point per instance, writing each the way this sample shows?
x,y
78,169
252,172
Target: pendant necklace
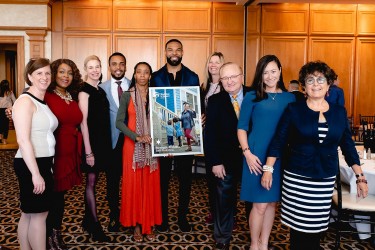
x,y
272,97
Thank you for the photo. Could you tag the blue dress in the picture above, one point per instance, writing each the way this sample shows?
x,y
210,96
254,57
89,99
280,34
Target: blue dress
x,y
260,119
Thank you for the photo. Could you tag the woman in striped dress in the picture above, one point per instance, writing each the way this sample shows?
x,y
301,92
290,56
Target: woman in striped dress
x,y
313,130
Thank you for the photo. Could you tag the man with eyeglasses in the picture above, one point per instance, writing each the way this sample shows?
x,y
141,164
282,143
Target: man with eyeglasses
x,y
223,152
174,73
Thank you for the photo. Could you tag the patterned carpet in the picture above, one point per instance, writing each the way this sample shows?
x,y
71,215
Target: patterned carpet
x,y
199,238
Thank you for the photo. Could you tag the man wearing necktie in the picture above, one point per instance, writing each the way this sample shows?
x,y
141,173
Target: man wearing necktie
x,y
223,152
114,88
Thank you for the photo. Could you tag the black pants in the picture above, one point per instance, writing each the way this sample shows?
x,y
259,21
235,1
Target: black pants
x,y
226,206
306,241
113,174
183,169
56,213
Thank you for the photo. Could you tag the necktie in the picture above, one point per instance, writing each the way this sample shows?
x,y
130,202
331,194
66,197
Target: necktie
x,y
119,89
236,106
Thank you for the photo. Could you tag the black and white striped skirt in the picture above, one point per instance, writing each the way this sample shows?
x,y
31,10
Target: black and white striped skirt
x,y
306,202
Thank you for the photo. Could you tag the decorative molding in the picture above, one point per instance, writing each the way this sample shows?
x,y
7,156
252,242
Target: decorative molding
x,y
37,41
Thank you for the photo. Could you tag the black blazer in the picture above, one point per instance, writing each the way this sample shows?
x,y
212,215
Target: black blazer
x,y
298,127
221,142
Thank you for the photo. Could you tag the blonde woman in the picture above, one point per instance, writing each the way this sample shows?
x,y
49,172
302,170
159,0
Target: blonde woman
x,y
96,134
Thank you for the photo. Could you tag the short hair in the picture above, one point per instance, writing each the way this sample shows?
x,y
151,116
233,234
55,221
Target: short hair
x,y
295,82
316,66
116,54
32,65
76,84
228,64
173,41
169,122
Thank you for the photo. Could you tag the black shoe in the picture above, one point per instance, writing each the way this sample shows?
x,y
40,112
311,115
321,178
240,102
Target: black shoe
x,y
113,226
163,228
97,233
58,240
184,226
221,246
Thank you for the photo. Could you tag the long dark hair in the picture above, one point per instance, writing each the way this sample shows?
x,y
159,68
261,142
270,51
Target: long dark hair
x,y
4,88
132,84
258,84
77,82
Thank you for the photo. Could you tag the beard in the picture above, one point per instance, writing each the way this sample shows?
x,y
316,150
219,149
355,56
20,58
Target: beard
x,y
118,77
174,62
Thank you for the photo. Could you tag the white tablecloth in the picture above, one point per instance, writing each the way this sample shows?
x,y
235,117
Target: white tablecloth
x,y
348,177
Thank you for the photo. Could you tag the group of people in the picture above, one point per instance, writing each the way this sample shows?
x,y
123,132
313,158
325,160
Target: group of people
x,y
7,99
278,149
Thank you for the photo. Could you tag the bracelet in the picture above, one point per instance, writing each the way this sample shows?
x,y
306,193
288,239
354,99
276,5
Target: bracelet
x,y
361,180
244,150
358,175
89,155
267,168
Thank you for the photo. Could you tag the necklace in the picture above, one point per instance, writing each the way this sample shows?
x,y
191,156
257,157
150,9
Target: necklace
x,y
272,97
67,97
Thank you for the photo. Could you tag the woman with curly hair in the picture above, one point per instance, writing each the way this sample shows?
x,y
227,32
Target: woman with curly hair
x,y
61,98
313,130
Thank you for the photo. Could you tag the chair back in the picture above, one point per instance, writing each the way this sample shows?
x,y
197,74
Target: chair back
x,y
354,129
368,131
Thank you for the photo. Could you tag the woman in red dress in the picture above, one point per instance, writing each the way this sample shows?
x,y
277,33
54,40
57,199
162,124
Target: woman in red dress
x,y
61,98
141,202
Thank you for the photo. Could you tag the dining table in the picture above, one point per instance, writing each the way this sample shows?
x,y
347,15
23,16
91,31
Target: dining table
x,y
348,176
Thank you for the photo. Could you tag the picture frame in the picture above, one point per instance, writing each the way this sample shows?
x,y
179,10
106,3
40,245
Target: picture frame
x,y
177,106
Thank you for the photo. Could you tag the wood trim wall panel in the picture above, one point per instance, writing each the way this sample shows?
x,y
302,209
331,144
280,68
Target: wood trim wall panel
x,y
338,53
232,48
37,41
366,19
223,24
138,48
57,45
187,16
253,19
252,57
285,19
291,51
135,16
95,16
78,46
333,19
56,20
196,51
364,91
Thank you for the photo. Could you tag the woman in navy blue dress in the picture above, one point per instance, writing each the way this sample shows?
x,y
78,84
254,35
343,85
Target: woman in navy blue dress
x,y
261,110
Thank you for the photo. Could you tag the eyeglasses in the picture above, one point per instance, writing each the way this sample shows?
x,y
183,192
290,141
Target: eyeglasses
x,y
311,80
227,78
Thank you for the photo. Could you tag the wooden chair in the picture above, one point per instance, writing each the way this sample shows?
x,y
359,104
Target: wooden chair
x,y
348,206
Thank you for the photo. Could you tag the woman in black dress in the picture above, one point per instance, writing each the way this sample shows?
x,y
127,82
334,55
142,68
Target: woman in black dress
x,y
95,128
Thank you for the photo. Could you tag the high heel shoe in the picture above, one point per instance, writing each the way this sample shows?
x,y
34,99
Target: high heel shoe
x,y
58,240
137,234
97,233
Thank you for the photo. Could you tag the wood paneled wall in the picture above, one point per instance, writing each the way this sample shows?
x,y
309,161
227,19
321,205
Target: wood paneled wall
x,y
139,29
342,35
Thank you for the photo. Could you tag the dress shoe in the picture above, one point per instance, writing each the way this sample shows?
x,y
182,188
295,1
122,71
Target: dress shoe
x,y
163,228
209,219
221,246
184,226
113,226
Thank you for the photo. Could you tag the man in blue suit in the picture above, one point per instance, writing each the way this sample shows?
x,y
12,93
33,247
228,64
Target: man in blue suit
x,y
113,89
174,73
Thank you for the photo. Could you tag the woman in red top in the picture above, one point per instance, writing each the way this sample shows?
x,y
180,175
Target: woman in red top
x,y
61,98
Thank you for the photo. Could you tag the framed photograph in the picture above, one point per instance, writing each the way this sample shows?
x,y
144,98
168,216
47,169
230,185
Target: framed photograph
x,y
176,126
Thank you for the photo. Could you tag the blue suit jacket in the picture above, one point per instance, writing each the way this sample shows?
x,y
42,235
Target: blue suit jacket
x,y
113,108
298,127
160,78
